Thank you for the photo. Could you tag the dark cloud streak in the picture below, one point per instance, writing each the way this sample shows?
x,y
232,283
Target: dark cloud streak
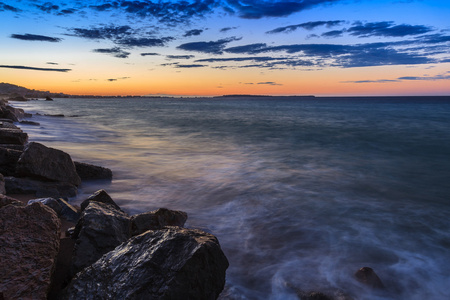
x,y
34,69
35,37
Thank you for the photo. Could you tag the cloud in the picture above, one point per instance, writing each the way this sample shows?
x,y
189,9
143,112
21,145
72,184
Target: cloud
x,y
256,9
6,7
149,54
333,34
190,66
247,49
115,79
116,52
226,29
240,59
387,29
193,32
269,83
180,56
35,69
307,26
100,33
144,42
212,47
445,76
48,7
52,63
35,37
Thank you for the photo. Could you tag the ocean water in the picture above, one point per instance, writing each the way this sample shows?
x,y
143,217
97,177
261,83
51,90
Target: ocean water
x,y
301,192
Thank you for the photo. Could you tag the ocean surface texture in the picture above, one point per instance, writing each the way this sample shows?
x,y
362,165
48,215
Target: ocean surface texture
x,y
301,192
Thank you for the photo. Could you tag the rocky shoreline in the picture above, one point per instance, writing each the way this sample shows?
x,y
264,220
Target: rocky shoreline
x,y
50,249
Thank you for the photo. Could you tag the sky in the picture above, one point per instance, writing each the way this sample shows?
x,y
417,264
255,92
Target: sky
x,y
219,47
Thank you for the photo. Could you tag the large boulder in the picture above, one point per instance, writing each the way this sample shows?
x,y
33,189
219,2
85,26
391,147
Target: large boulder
x,y
100,229
13,136
41,189
172,263
157,219
29,244
100,196
92,172
8,161
50,202
40,161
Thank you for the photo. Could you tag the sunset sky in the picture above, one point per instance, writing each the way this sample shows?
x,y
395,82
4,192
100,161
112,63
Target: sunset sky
x,y
216,47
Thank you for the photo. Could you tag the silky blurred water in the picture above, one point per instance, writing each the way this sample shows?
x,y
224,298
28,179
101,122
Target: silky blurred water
x,y
301,192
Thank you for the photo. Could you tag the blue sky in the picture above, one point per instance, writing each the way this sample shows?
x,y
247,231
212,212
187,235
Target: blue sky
x,y
322,47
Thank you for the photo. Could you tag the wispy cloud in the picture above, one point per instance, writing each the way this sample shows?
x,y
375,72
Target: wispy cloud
x,y
116,52
149,54
444,76
307,26
212,47
387,29
180,56
268,83
6,7
116,79
189,66
193,32
35,37
34,68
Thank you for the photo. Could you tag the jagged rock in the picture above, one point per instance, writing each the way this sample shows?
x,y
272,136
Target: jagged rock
x,y
8,161
13,136
2,185
41,189
100,229
29,244
100,196
368,276
40,161
50,202
156,220
89,172
5,200
172,263
68,212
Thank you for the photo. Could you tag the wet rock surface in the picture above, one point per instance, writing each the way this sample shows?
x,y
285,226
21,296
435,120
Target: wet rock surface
x,y
171,263
102,197
40,161
157,219
29,244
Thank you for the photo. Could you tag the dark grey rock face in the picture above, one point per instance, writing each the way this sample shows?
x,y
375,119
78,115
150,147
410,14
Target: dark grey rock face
x,y
90,172
368,277
29,244
171,263
50,202
8,160
100,229
13,136
47,163
157,219
100,196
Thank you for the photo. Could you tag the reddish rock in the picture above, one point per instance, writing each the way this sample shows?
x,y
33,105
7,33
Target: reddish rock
x,y
29,244
2,185
40,161
5,200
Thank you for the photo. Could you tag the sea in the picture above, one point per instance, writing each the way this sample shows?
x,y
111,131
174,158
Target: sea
x,y
301,192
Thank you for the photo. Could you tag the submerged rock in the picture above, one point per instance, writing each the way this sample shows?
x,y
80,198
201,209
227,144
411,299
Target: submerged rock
x,y
40,161
156,220
90,172
368,276
172,263
100,229
29,244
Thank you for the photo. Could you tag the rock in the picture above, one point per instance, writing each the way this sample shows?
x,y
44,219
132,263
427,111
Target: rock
x,y
100,229
172,263
54,115
41,189
13,147
2,185
50,202
156,220
13,136
100,196
368,276
48,98
5,200
68,212
8,161
18,98
40,161
62,275
29,244
30,123
89,172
